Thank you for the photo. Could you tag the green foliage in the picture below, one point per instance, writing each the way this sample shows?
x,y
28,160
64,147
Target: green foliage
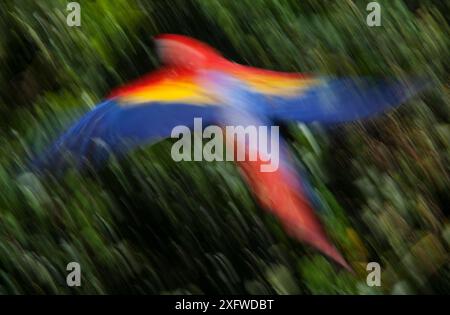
x,y
148,225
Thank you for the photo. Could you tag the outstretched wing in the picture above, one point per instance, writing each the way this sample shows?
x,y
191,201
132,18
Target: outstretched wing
x,y
297,97
136,114
343,100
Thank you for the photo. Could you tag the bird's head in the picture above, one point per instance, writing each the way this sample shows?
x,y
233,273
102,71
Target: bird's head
x,y
185,52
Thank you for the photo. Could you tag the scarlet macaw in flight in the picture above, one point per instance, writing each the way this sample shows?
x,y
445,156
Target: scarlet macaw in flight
x,y
195,81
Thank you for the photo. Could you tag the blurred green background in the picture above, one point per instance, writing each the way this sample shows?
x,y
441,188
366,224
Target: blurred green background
x,y
149,225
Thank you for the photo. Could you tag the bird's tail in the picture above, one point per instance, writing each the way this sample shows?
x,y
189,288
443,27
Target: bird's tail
x,y
281,193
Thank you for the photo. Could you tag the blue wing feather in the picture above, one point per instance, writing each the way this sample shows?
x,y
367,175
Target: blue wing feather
x,y
343,100
113,128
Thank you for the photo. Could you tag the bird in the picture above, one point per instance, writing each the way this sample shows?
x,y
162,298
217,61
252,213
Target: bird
x,y
196,81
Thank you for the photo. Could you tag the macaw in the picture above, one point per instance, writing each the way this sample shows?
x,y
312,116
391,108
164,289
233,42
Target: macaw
x,y
196,81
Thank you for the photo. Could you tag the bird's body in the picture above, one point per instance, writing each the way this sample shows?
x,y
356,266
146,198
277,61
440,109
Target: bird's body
x,y
196,81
